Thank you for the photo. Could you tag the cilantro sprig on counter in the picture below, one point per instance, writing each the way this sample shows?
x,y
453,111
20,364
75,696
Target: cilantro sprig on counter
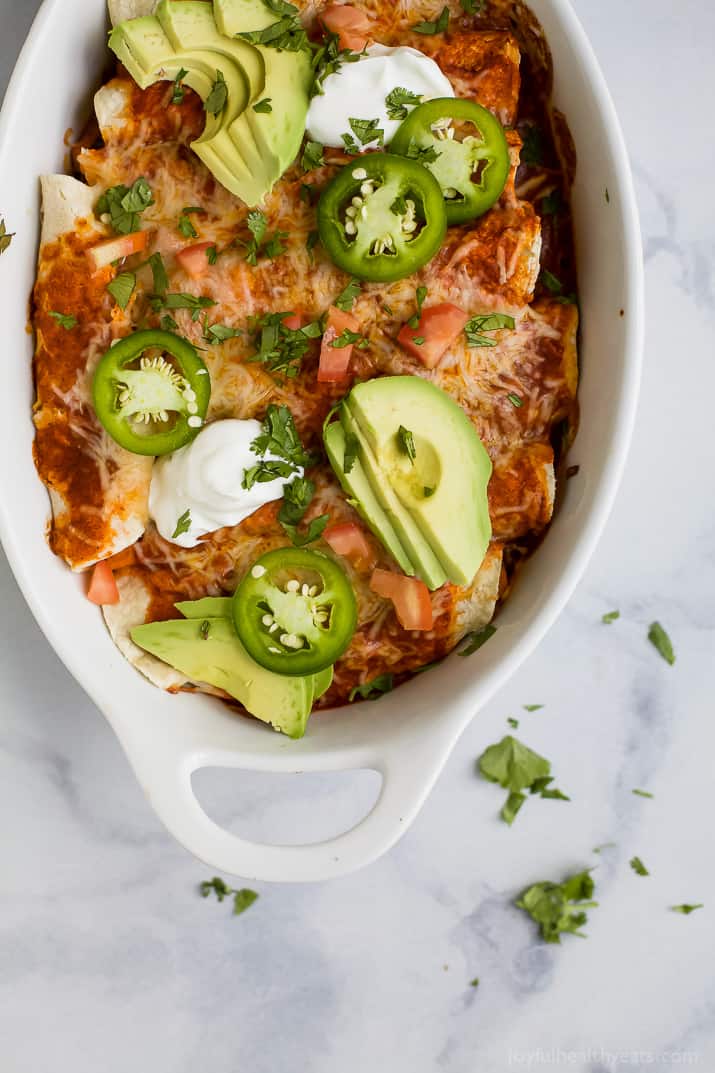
x,y
243,898
559,908
5,237
516,768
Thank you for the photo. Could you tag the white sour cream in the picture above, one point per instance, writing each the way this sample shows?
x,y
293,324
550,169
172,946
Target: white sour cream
x,y
205,478
358,91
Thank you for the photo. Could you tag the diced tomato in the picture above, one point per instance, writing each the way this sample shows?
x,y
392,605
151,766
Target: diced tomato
x,y
351,25
349,540
439,326
193,259
335,361
294,321
102,587
123,246
413,605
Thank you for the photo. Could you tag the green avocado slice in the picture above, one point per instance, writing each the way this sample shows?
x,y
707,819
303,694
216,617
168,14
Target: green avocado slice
x,y
356,484
426,564
208,607
443,489
278,133
213,653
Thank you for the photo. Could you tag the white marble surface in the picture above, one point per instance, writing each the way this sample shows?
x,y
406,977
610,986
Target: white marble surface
x,y
110,961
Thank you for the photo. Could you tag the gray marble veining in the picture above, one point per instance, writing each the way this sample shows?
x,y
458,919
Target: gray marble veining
x,y
110,961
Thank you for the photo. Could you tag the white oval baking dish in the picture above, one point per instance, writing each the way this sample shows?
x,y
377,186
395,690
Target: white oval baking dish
x,y
408,735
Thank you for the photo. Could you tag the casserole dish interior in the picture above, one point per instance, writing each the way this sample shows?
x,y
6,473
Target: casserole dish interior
x,y
407,735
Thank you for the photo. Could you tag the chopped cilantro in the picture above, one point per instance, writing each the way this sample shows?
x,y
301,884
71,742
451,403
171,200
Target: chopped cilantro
x,y
177,93
183,525
559,908
406,441
352,446
281,349
515,400
398,99
476,639
687,908
218,333
296,499
367,131
5,238
212,255
438,26
420,295
423,154
217,98
346,298
65,320
532,707
285,34
374,689
263,106
486,322
638,867
514,723
661,642
642,793
610,616
124,205
185,225
474,982
242,899
280,438
516,768
261,244
183,301
122,288
532,151
329,58
554,286
348,337
312,156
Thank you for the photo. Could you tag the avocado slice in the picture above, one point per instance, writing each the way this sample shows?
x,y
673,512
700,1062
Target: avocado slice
x,y
356,484
190,25
147,53
426,564
443,491
279,133
220,607
220,659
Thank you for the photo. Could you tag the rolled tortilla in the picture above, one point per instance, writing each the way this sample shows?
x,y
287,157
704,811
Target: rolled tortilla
x,y
98,491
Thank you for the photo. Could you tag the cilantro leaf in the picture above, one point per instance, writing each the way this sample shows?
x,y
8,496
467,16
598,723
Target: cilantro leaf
x,y
638,867
122,288
312,156
486,322
406,440
124,205
218,97
472,7
474,982
367,131
514,723
242,899
687,908
642,793
476,639
559,908
177,94
328,58
515,400
420,295
158,271
185,225
532,707
438,26
285,34
280,438
555,287
282,349
183,525
5,238
297,497
346,298
661,642
261,244
374,689
218,333
610,616
423,154
348,337
512,764
264,106
398,99
212,255
516,767
168,324
66,321
183,301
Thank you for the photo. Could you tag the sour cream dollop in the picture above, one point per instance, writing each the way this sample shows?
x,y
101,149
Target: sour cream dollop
x,y
358,91
205,479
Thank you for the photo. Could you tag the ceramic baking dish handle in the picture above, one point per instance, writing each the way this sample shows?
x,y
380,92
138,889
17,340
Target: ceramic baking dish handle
x,y
406,782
